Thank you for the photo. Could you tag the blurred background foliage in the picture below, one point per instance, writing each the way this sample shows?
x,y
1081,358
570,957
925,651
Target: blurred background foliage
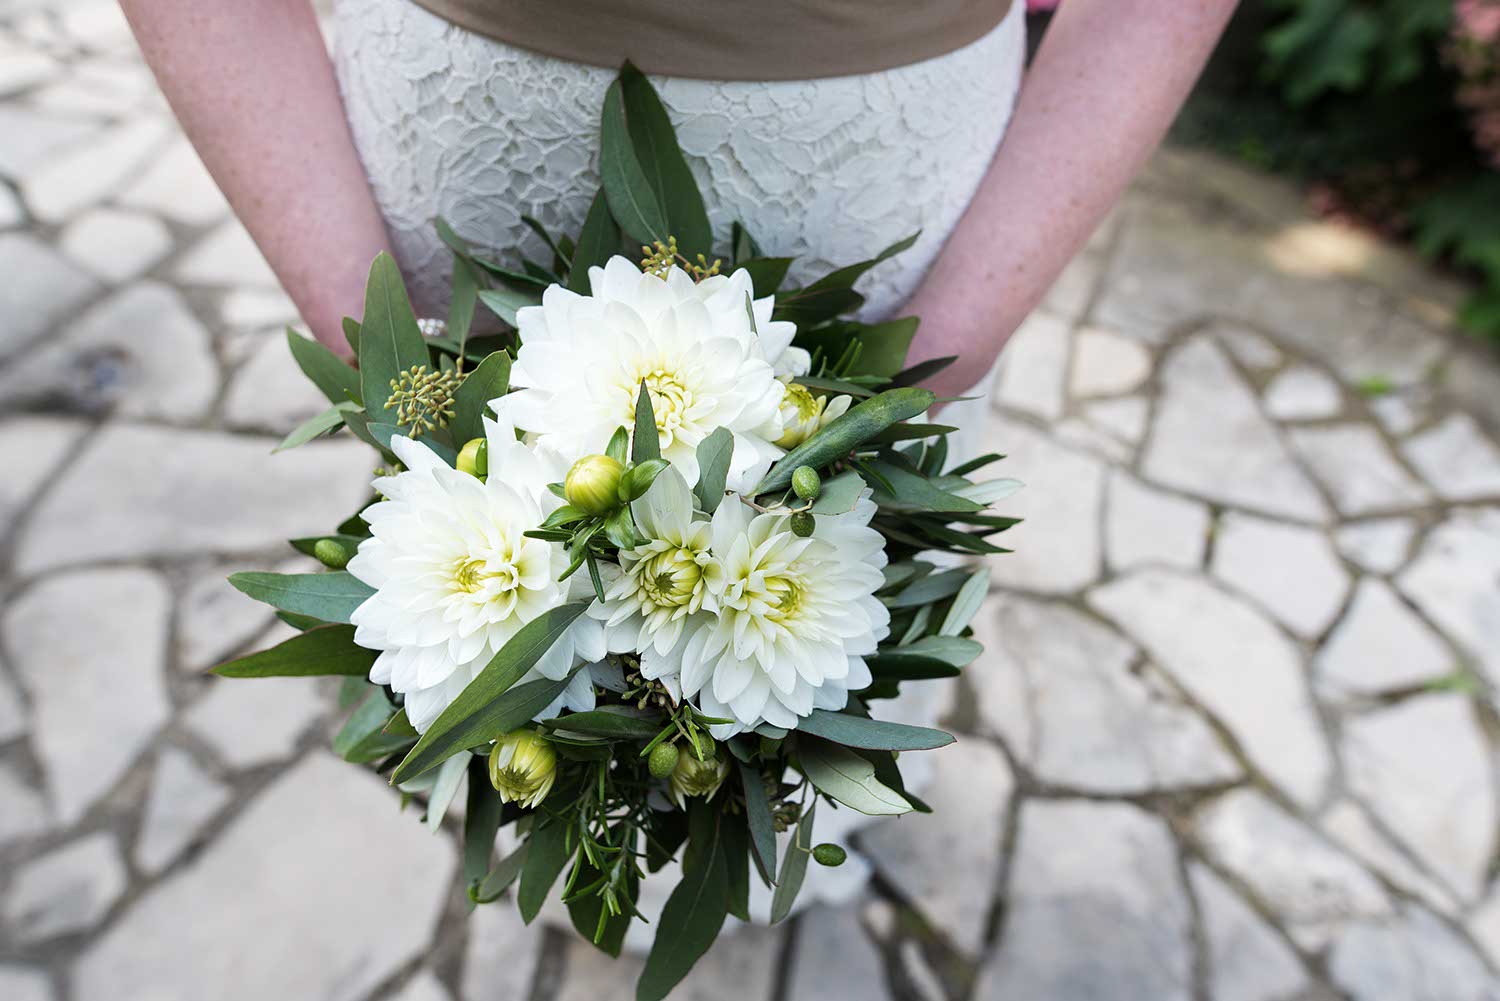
x,y
1389,110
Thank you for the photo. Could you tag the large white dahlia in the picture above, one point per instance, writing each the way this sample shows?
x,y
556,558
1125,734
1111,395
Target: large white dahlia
x,y
455,578
583,359
796,618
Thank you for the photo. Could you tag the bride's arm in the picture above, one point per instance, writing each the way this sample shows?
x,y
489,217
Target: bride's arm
x,y
1106,83
252,84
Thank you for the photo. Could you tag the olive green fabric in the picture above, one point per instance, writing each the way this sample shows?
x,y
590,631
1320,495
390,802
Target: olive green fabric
x,y
733,39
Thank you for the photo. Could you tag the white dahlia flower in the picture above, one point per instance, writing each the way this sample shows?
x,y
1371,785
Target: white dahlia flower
x,y
583,359
796,618
802,413
455,578
664,582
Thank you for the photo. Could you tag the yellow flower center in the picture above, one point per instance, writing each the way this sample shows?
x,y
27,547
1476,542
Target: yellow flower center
x,y
669,578
470,575
807,406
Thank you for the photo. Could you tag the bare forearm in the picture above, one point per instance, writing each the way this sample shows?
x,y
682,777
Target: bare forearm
x,y
252,84
1099,96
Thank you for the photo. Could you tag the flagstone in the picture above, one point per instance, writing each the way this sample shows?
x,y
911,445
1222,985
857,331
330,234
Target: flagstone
x,y
114,244
835,958
1422,766
1409,957
1033,367
1234,664
32,449
41,288
90,172
1348,825
947,862
34,137
183,798
1124,417
11,213
13,722
1379,546
1458,459
1149,527
252,723
95,679
257,500
1058,688
1060,504
744,958
1247,960
1236,458
1302,393
1250,349
66,891
25,814
215,621
1289,570
500,959
1095,909
1352,462
424,986
177,186
1107,364
1311,888
1484,925
226,256
1452,581
269,392
18,983
1380,646
318,900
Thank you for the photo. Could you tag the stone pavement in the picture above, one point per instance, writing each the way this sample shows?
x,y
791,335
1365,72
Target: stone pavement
x,y
1234,738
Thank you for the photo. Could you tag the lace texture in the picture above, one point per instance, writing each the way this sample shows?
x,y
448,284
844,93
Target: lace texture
x,y
829,171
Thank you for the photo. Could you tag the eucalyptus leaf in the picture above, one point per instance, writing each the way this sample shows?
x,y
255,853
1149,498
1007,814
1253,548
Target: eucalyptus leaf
x,y
490,705
444,789
872,734
758,816
546,855
645,443
899,665
331,597
314,427
500,878
694,912
324,650
364,737
766,273
466,285
955,650
506,302
714,455
334,377
598,241
846,777
614,722
483,813
966,603
390,342
662,163
839,494
632,200
489,381
794,867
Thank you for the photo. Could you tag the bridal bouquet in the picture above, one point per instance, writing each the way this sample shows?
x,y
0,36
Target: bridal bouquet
x,y
635,572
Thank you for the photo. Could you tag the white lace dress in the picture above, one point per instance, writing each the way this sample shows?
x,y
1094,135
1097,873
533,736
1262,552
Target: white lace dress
x,y
828,171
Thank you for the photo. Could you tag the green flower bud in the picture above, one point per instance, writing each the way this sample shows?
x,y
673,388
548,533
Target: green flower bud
x,y
663,760
474,458
805,482
693,777
523,767
829,854
803,523
593,483
333,553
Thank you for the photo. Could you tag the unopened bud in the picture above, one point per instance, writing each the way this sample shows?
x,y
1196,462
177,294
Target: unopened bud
x,y
805,482
333,553
829,854
593,483
474,458
694,777
523,767
663,760
803,524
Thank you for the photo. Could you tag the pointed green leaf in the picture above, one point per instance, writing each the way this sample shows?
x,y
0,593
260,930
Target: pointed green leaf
x,y
389,341
966,603
613,722
840,494
325,650
314,427
644,444
466,283
662,163
598,241
505,302
331,597
483,812
334,377
872,734
848,778
694,912
471,403
499,879
794,867
714,455
490,706
449,776
632,201
758,816
847,432
547,852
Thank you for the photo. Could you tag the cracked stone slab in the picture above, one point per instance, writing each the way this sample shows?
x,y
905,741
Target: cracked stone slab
x,y
256,723
1457,458
66,891
41,288
95,680
1453,582
1347,824
947,861
1289,570
1125,418
1302,393
183,798
1247,960
1311,887
226,256
1410,957
215,621
835,958
33,138
31,448
1380,646
115,245
1237,458
1484,925
1357,469
1034,366
745,958
1057,686
501,956
334,891
1095,909
13,722
269,392
101,362
233,476
1064,488
25,814
90,171
1234,663
1107,364
17,983
1149,527
178,187
424,986
1423,767
1379,546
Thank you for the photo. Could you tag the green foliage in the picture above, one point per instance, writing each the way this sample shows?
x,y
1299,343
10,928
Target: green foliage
x,y
1350,46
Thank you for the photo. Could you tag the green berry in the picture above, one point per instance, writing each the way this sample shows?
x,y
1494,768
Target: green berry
x,y
333,553
829,854
663,760
803,524
805,482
